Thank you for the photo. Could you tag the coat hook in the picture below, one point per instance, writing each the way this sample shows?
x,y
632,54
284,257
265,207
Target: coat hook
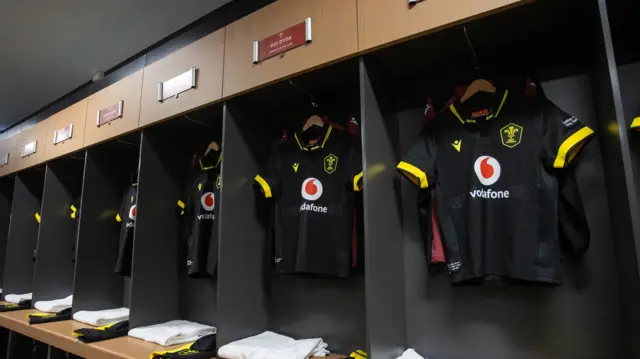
x,y
476,63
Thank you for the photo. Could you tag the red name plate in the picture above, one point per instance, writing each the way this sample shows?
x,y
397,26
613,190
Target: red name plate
x,y
110,113
281,42
63,134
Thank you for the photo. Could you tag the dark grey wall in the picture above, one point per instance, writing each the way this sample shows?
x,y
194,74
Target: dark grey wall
x,y
23,232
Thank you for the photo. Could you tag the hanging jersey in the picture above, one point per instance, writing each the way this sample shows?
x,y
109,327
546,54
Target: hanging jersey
x,y
127,218
312,185
201,212
496,192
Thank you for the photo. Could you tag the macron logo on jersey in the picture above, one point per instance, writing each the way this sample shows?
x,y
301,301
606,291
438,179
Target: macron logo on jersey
x,y
208,201
488,171
312,190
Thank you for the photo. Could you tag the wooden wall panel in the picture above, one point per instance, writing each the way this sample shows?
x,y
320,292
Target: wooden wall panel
x,y
127,90
334,36
28,134
207,56
384,21
73,115
8,144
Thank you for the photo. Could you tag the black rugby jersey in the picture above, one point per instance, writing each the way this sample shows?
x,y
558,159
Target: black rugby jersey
x,y
127,218
201,211
494,173
312,186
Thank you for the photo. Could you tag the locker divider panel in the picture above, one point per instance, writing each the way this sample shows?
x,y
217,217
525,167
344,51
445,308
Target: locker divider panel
x,y
300,306
6,196
108,171
53,275
617,96
23,231
242,297
383,221
161,289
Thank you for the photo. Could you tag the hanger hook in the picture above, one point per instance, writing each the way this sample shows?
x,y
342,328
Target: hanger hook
x,y
313,103
476,63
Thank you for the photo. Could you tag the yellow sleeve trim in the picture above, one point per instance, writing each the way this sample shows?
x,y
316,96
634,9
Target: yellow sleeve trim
x,y
636,123
118,218
569,147
265,186
158,353
181,204
415,172
356,181
37,215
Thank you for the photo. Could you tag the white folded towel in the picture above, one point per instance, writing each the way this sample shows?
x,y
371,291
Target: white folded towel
x,y
54,306
17,298
100,318
173,332
410,354
269,345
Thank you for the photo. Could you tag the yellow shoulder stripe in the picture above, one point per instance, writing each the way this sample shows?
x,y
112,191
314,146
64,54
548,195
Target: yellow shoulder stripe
x,y
265,186
356,181
570,147
181,204
407,168
636,123
37,215
118,218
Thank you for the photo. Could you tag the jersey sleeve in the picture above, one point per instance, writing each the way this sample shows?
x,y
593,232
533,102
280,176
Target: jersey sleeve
x,y
564,136
418,164
635,124
268,180
355,169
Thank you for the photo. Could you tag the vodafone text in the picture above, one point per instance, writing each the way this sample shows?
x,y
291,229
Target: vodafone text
x,y
206,216
313,208
490,194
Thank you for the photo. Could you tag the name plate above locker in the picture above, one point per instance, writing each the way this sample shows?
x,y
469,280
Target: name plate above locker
x,y
110,113
177,85
288,39
4,160
63,134
29,149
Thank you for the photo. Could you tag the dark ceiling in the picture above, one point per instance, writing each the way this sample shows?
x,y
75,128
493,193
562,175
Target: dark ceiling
x,y
49,48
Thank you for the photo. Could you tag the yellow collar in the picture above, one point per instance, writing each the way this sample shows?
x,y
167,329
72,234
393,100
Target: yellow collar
x,y
202,167
463,121
304,148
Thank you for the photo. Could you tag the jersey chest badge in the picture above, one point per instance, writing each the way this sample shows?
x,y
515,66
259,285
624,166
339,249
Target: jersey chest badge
x,y
218,182
511,135
295,167
330,163
199,186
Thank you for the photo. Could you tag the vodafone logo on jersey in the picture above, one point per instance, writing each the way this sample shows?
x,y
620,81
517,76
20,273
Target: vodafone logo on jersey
x,y
311,189
208,201
487,169
132,212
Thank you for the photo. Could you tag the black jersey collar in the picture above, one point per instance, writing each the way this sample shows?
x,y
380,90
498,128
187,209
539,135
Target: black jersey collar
x,y
467,119
305,148
206,168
